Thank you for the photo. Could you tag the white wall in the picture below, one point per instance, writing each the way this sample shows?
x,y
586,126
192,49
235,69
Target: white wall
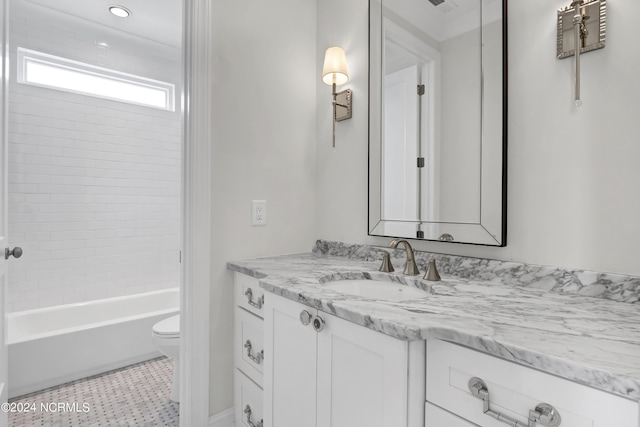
x,y
573,173
94,185
264,136
341,178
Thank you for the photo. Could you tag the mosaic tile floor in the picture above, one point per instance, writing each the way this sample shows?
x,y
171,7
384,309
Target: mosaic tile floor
x,y
137,395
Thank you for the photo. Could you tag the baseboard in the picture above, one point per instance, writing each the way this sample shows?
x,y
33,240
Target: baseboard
x,y
19,391
222,419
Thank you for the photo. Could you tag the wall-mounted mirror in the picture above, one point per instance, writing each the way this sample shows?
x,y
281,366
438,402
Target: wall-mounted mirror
x,y
437,120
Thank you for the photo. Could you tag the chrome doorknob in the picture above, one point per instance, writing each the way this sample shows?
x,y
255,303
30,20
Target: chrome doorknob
x,y
15,252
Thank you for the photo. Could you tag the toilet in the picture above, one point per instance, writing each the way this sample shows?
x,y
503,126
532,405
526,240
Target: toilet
x,y
166,338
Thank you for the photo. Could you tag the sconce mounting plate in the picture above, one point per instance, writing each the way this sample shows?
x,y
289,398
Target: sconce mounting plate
x,y
342,110
594,13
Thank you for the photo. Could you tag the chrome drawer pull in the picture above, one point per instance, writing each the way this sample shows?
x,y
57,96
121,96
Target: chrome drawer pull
x,y
544,413
247,411
258,357
259,301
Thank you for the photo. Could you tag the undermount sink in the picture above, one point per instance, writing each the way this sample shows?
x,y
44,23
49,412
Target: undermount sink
x,y
376,289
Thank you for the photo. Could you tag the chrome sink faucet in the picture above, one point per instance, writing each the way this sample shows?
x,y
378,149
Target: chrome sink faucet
x,y
410,267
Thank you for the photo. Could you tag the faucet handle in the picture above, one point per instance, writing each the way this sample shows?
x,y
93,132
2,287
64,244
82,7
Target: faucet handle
x,y
446,237
432,272
386,266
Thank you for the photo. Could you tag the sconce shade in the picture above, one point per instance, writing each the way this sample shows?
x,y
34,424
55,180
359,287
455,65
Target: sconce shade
x,y
335,66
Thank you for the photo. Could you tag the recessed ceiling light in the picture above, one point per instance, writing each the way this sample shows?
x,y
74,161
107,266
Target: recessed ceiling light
x,y
119,11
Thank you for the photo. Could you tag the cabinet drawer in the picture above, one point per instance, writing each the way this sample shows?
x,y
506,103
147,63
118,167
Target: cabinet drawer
x,y
249,347
248,398
515,389
248,294
438,417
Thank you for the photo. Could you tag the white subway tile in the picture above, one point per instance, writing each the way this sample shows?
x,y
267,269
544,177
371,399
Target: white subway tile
x,y
94,184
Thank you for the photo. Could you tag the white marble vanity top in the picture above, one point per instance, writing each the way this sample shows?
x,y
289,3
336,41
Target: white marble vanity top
x,y
588,340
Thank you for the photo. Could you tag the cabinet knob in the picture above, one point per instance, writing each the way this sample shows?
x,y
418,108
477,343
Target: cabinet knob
x,y
318,324
305,317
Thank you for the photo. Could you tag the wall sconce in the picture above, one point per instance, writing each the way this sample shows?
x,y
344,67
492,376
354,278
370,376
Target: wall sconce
x,y
334,72
581,28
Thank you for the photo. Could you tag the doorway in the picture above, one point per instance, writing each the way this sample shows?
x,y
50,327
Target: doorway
x,y
94,177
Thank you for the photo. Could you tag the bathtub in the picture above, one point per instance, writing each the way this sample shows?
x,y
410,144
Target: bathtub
x,y
51,346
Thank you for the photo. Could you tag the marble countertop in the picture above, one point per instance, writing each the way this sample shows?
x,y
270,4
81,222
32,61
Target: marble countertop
x,y
591,341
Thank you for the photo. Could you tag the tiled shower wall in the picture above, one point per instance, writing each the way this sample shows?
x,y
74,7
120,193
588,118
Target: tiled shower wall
x,y
94,185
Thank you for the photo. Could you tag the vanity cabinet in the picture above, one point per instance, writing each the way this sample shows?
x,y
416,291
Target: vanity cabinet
x,y
296,366
248,351
324,371
513,390
438,417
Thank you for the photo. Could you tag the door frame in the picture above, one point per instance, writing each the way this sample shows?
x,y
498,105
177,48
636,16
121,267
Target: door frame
x,y
4,141
197,187
196,202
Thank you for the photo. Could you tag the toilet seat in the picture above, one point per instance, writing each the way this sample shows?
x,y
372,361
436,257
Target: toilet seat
x,y
168,328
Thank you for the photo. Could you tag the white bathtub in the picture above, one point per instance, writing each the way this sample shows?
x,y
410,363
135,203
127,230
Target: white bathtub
x,y
51,346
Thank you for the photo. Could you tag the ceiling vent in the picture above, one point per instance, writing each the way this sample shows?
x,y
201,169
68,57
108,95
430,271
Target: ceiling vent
x,y
445,7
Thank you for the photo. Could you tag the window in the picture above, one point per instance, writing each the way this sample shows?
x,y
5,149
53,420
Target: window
x,y
41,69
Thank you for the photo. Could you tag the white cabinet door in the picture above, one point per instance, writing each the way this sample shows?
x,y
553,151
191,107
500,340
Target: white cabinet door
x,y
514,390
248,401
438,417
249,295
249,347
290,365
362,376
248,352
343,375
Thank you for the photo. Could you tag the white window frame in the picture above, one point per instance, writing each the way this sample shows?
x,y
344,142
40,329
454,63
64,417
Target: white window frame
x,y
27,57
